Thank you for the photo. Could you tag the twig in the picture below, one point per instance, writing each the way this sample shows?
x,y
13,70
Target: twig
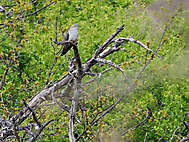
x,y
62,106
56,29
140,43
106,43
54,61
146,56
172,137
11,5
184,139
33,113
16,131
95,75
72,112
141,123
110,63
145,137
38,10
159,45
39,131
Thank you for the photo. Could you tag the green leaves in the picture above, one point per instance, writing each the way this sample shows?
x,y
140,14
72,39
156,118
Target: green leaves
x,y
166,96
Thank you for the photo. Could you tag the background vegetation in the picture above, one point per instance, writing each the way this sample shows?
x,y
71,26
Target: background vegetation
x,y
162,93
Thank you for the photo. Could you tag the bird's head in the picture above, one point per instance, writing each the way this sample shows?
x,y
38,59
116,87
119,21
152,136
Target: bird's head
x,y
74,26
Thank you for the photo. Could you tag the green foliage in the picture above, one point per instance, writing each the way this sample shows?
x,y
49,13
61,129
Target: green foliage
x,y
15,33
97,20
168,100
161,91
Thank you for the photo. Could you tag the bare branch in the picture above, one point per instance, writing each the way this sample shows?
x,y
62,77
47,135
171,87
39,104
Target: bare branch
x,y
95,75
33,113
140,43
11,5
56,29
72,112
39,131
184,139
78,58
147,63
110,63
106,43
172,137
54,61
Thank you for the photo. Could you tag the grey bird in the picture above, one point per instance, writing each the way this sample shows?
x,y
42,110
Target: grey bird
x,y
72,36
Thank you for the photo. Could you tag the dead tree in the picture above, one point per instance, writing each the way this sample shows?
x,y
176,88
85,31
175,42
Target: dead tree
x,y
73,81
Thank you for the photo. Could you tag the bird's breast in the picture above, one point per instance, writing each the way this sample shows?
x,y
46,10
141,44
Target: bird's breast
x,y
73,35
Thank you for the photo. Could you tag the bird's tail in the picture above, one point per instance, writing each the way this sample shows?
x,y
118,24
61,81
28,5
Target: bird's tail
x,y
66,48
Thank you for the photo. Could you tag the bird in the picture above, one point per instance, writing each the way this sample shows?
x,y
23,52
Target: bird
x,y
70,36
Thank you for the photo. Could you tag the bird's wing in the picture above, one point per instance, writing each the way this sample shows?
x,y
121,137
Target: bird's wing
x,y
66,37
67,46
